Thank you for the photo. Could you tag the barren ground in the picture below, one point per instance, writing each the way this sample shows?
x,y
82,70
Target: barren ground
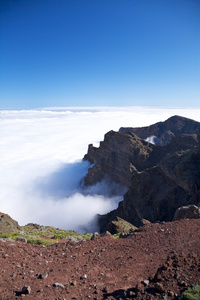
x,y
168,255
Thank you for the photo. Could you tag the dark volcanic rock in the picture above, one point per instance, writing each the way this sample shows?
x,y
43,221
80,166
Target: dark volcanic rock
x,y
160,178
156,193
164,131
123,153
187,212
118,157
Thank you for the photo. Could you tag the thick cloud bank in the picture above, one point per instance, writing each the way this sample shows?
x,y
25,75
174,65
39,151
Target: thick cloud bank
x,y
41,167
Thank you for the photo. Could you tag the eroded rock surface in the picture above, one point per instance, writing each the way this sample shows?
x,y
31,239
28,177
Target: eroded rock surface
x,y
118,157
163,132
156,193
159,179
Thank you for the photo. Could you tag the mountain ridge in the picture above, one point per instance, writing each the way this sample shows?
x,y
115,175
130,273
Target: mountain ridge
x,y
159,177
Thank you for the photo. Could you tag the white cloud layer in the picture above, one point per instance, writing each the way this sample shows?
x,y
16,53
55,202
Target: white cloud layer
x,y
41,167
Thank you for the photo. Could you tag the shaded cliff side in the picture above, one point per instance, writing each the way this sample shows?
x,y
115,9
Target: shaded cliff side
x,y
157,192
159,178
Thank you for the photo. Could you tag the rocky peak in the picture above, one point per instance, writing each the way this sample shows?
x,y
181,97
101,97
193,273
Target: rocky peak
x,y
164,131
124,153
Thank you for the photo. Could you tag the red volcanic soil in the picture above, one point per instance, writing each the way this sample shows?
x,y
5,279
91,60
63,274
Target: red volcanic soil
x,y
167,255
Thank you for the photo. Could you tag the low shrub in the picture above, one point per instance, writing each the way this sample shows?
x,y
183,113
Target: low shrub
x,y
192,293
12,235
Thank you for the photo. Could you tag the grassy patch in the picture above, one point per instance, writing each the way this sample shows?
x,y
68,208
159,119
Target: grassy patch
x,y
33,240
52,232
191,293
11,235
45,235
39,241
117,235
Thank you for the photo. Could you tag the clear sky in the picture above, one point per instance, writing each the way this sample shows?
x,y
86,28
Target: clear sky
x,y
99,52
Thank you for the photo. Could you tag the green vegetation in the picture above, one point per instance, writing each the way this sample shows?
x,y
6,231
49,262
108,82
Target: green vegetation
x,y
11,235
45,235
40,241
117,235
53,233
191,293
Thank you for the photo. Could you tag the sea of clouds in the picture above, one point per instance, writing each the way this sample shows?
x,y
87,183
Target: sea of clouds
x,y
41,163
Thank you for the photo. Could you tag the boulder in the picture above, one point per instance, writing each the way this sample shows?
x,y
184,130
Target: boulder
x,y
118,225
95,235
26,290
22,239
187,212
7,224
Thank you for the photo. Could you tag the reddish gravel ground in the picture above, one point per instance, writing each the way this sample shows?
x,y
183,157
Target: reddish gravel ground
x,y
167,255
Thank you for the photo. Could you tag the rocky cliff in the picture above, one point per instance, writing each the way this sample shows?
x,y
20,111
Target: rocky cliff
x,y
157,192
162,132
118,157
159,178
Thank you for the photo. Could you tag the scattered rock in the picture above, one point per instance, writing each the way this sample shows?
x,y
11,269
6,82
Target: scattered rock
x,y
145,282
95,235
114,274
131,294
159,287
43,275
107,233
26,290
170,294
58,284
21,239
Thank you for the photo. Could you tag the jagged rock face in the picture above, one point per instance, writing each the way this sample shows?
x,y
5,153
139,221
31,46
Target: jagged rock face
x,y
7,224
118,157
164,131
121,155
156,193
160,178
183,168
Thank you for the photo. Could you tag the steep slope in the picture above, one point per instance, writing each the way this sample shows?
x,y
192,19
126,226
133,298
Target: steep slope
x,y
157,192
123,154
159,178
118,157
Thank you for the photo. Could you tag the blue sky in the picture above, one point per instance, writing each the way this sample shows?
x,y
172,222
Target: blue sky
x,y
99,53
